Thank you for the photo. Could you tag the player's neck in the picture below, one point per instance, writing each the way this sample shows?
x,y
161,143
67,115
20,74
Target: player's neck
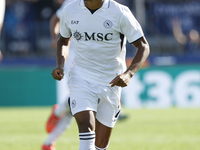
x,y
93,4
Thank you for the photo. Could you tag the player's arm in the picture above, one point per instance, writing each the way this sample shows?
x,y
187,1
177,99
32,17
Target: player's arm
x,y
177,31
143,51
54,29
61,57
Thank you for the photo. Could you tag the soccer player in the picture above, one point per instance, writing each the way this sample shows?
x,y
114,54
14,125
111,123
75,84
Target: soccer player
x,y
2,13
60,117
98,29
190,40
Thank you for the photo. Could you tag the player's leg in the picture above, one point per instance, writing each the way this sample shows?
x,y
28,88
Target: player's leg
x,y
62,125
83,104
61,108
59,119
58,111
86,125
103,134
107,114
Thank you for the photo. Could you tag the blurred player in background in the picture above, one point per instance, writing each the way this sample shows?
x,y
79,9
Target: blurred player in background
x,y
60,117
190,40
98,29
2,13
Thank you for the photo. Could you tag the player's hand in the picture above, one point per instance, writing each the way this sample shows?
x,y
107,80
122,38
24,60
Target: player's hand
x,y
121,80
58,73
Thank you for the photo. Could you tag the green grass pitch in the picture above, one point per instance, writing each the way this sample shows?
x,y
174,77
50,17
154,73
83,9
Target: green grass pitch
x,y
165,129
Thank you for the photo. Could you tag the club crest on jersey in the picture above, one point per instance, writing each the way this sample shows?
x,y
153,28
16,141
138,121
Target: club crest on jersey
x,y
108,24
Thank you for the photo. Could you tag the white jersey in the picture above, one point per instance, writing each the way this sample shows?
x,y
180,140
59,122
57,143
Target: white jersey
x,y
98,39
59,11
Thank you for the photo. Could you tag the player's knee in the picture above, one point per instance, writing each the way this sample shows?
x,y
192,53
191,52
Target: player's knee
x,y
85,121
86,127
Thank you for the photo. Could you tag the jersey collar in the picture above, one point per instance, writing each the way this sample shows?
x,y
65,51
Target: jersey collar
x,y
105,5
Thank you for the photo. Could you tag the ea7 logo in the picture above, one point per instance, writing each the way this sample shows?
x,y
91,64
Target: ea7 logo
x,y
74,22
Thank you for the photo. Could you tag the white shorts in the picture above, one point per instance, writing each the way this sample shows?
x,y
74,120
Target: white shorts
x,y
104,100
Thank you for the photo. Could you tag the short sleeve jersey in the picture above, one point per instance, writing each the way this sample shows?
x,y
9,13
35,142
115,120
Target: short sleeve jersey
x,y
59,11
99,39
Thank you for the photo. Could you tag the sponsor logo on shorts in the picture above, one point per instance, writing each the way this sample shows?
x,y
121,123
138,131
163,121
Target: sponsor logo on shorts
x,y
73,103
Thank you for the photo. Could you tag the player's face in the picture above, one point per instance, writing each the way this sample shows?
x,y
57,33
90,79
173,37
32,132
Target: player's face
x,y
60,1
